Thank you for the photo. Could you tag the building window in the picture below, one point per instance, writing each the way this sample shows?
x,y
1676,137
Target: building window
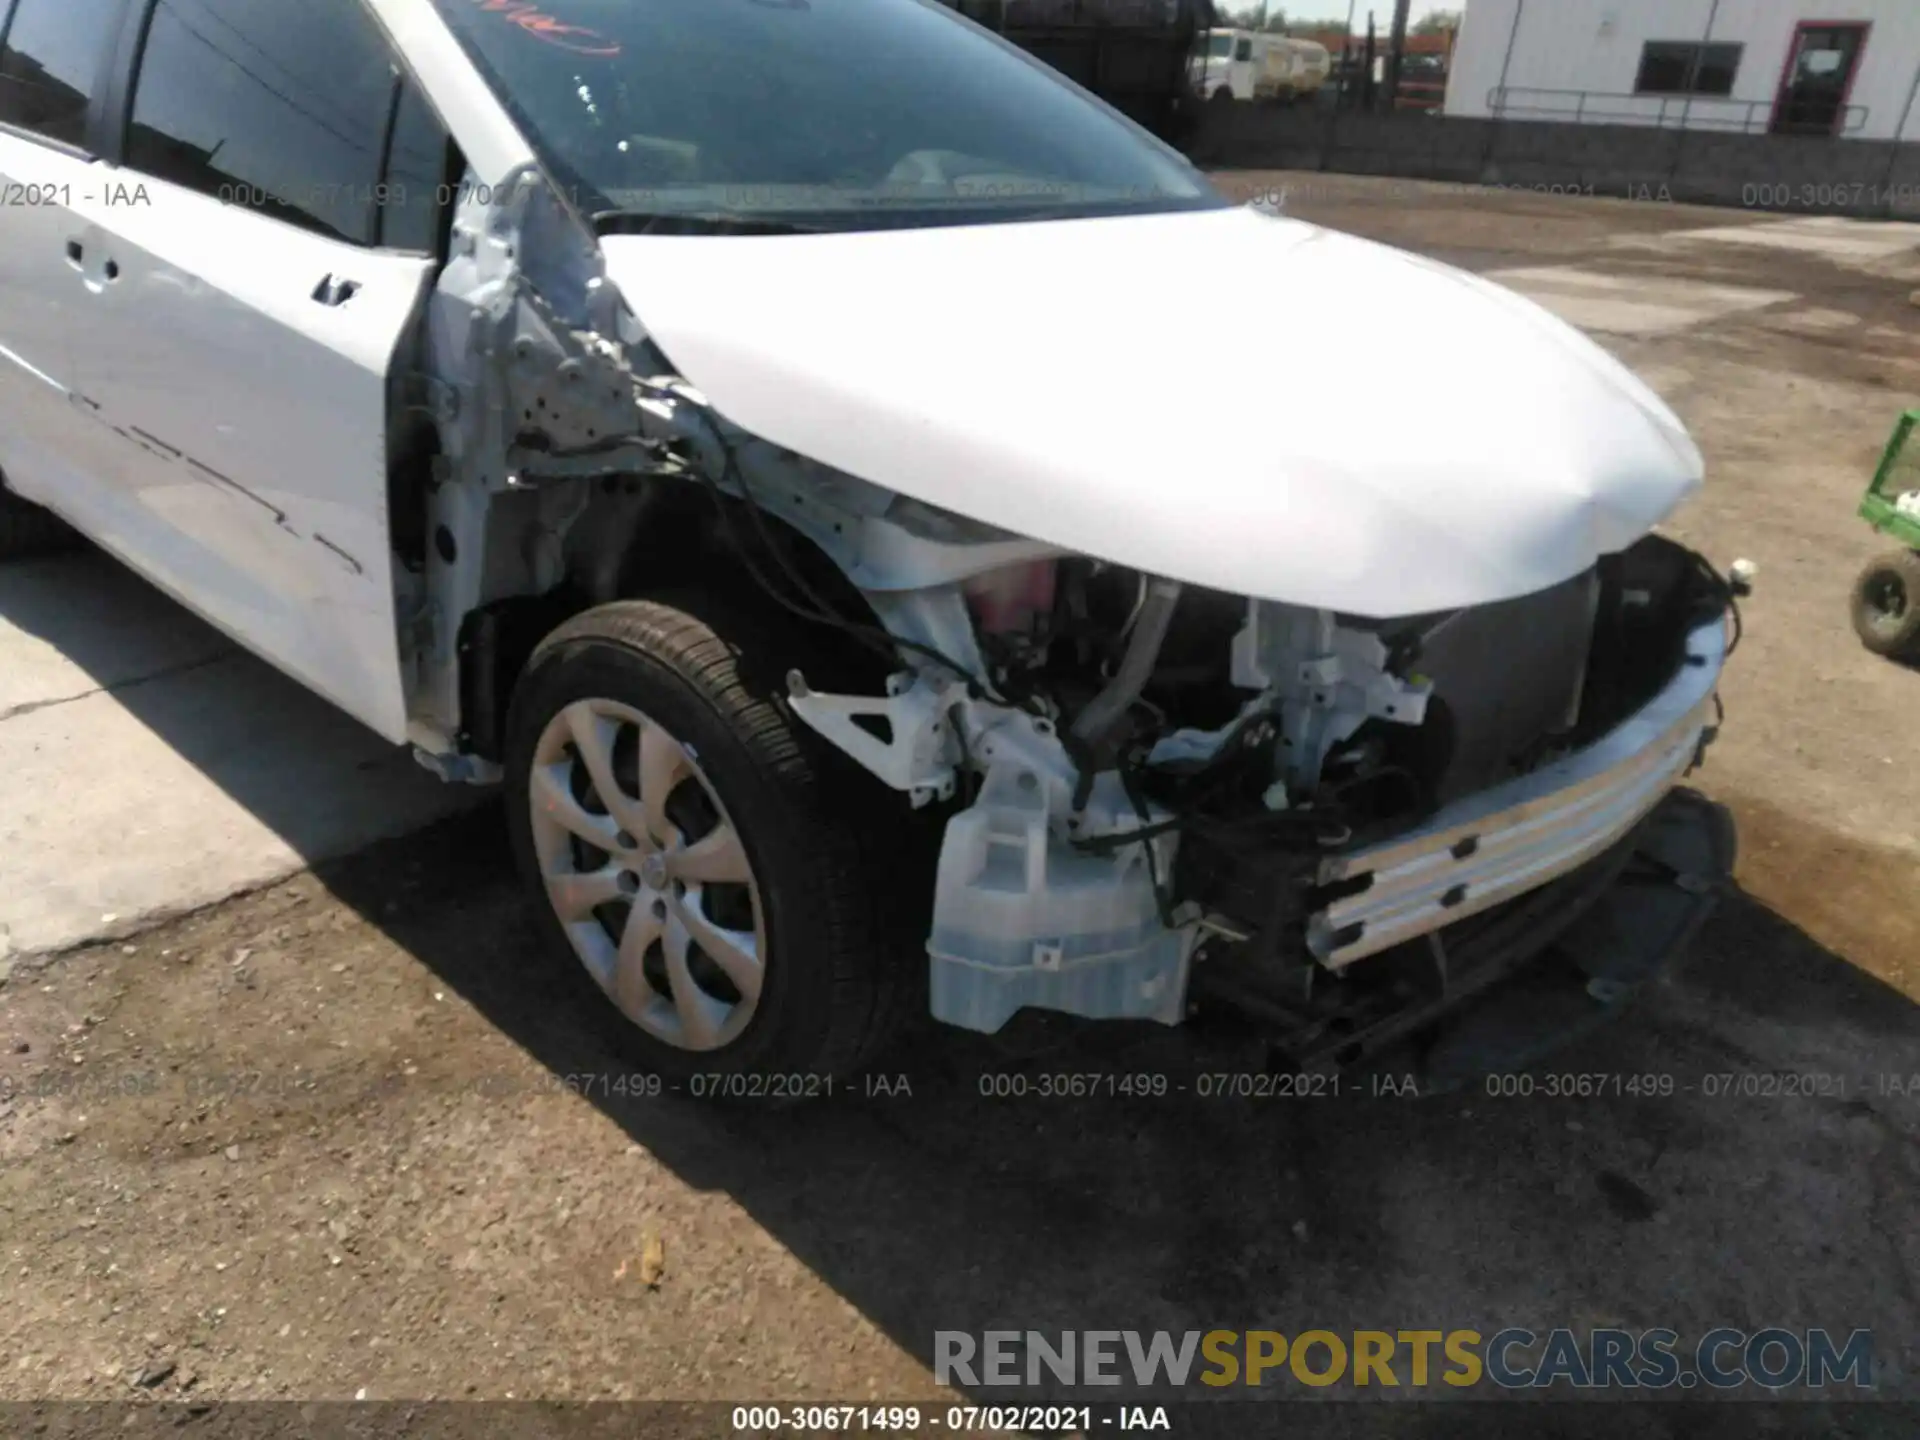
x,y
1687,67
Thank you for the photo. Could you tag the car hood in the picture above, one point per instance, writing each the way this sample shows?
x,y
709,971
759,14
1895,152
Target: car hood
x,y
1364,431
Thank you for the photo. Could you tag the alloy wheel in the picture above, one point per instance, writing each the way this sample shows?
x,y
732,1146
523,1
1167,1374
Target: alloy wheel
x,y
647,874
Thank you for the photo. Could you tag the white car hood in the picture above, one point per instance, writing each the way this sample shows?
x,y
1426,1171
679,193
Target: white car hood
x,y
1362,430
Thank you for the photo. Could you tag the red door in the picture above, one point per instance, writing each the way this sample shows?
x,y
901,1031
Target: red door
x,y
1818,78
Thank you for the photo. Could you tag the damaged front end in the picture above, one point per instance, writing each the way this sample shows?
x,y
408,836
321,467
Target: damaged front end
x,y
1340,824
1342,724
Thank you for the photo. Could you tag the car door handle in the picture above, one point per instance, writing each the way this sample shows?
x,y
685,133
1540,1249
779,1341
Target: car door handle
x,y
97,278
335,290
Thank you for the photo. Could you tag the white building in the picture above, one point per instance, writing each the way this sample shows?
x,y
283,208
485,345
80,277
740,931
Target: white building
x,y
1823,67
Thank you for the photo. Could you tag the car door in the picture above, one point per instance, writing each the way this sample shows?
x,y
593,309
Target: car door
x,y
53,62
251,270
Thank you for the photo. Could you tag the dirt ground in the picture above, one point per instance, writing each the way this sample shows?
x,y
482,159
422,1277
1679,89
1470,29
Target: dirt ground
x,y
333,1138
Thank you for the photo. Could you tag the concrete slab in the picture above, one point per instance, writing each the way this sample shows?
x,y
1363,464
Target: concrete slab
x,y
1634,304
1849,242
151,768
80,623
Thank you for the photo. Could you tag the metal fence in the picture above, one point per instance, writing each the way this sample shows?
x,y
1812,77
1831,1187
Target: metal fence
x,y
1679,112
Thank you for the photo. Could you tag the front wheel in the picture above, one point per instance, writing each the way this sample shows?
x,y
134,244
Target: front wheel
x,y
697,853
1886,605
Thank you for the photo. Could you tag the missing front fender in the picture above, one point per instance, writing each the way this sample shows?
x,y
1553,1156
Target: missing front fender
x,y
495,644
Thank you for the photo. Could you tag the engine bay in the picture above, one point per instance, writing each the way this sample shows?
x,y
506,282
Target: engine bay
x,y
1163,775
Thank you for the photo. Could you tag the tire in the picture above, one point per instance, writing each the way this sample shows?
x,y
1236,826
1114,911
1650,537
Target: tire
x,y
1221,99
1886,605
27,530
839,965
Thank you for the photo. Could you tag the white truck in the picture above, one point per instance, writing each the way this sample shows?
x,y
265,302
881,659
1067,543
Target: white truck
x,y
1248,65
725,427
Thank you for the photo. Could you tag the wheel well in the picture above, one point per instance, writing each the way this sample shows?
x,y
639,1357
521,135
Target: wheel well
x,y
642,538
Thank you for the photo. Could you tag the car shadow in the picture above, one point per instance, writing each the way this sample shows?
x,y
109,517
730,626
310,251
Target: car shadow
x,y
106,627
212,745
1720,1156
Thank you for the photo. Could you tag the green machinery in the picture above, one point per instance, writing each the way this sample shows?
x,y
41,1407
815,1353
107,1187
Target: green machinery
x,y
1886,597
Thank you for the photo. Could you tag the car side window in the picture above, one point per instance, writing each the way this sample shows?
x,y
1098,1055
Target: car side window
x,y
416,188
50,62
283,108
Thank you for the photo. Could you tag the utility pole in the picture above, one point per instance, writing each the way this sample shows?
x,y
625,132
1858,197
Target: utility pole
x,y
1366,89
1345,97
1401,9
1693,69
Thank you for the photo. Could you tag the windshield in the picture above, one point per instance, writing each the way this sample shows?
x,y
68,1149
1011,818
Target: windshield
x,y
808,114
1220,46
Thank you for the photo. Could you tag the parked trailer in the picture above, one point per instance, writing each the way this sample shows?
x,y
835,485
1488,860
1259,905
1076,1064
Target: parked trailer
x,y
1312,65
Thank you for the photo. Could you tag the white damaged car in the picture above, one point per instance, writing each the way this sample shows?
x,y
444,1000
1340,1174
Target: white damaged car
x,y
786,443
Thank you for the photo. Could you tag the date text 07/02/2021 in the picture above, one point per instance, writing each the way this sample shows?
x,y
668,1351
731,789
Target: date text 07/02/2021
x,y
953,1419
